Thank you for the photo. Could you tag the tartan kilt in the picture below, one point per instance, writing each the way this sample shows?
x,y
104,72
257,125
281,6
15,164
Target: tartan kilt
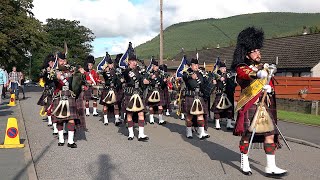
x,y
49,101
40,101
72,104
167,98
215,103
104,94
162,101
188,103
119,95
259,137
44,95
88,94
80,110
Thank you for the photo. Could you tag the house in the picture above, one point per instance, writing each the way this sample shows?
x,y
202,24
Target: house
x,y
295,56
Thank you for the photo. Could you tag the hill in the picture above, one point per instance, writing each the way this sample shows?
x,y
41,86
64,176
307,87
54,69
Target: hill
x,y
208,33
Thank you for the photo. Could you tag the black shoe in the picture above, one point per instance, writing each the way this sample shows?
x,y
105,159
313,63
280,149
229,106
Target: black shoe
x,y
276,176
24,97
130,138
49,125
60,144
249,173
55,134
66,133
189,137
95,114
162,123
151,122
143,139
74,145
106,124
218,128
229,129
205,137
117,123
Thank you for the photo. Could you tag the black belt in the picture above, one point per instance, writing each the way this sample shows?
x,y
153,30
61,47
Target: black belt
x,y
193,93
131,90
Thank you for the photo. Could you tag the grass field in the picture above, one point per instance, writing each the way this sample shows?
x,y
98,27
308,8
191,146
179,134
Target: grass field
x,y
299,117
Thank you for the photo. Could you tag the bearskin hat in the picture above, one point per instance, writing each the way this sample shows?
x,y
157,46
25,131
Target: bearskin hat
x,y
163,67
132,56
222,64
249,39
47,59
90,59
61,55
194,61
108,58
154,62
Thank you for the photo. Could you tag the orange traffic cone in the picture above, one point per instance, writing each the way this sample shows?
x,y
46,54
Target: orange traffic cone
x,y
12,138
12,100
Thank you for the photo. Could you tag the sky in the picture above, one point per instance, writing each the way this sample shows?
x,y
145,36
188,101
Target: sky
x,y
115,23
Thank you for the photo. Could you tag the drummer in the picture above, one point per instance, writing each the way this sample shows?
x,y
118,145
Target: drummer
x,y
91,92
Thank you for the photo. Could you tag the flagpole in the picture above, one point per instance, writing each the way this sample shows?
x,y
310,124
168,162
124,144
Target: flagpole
x,y
161,33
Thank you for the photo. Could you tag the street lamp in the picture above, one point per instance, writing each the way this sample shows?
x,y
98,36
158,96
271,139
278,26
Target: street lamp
x,y
29,55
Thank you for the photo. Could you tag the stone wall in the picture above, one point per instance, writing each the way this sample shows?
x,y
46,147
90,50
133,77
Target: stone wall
x,y
302,106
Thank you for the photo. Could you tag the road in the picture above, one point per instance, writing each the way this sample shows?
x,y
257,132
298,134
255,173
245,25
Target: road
x,y
105,153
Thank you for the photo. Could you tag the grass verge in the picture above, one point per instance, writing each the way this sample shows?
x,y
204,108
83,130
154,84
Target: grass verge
x,y
299,117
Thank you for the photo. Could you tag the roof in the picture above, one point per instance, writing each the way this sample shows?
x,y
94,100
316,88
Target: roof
x,y
294,52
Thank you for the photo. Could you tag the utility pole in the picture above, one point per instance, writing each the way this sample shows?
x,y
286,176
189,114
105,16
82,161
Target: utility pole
x,y
161,33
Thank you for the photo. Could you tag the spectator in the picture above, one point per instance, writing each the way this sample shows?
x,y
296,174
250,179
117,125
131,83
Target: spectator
x,y
14,78
22,84
4,89
3,80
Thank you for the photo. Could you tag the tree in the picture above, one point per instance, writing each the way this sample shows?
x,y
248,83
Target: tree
x,y
77,37
20,33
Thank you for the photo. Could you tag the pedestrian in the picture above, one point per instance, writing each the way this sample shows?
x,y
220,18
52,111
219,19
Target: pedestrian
x,y
3,80
21,87
14,78
4,89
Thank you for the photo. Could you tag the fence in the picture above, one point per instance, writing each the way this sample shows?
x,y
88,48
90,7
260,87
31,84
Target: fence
x,y
288,93
290,88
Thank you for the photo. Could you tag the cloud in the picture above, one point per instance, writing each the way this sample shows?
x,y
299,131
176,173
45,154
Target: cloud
x,y
121,21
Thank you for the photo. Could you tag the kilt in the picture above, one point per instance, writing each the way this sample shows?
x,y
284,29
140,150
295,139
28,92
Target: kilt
x,y
88,94
214,108
248,117
80,110
188,103
162,101
49,101
72,104
46,92
40,101
167,98
104,94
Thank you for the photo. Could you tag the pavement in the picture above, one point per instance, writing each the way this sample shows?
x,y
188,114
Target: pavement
x,y
12,161
105,153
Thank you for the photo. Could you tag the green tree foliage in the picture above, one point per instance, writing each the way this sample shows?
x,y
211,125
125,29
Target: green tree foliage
x,y
77,37
21,32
